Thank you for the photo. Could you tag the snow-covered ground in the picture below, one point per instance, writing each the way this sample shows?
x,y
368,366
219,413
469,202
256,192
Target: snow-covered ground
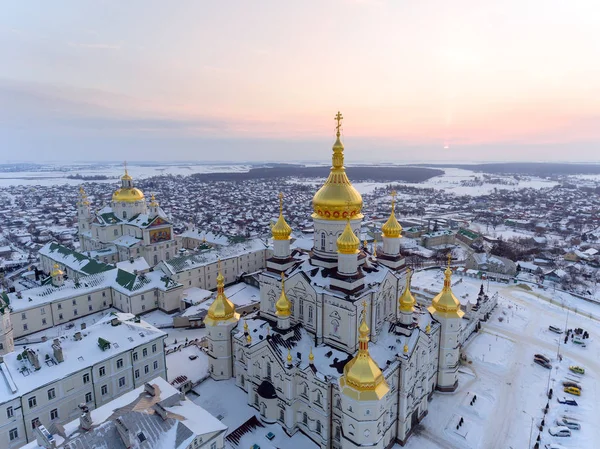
x,y
179,364
510,388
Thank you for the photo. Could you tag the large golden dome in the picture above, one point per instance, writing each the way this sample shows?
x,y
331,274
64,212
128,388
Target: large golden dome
x,y
363,380
337,199
127,193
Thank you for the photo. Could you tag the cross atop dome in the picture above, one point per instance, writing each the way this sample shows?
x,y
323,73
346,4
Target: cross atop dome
x,y
338,118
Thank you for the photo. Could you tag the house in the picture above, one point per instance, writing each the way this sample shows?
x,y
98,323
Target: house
x,y
490,263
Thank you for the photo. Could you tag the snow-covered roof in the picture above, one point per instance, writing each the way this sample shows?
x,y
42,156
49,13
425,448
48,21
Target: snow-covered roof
x,y
126,240
72,259
134,265
78,355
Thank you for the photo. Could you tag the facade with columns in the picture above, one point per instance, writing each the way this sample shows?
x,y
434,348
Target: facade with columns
x,y
129,224
340,349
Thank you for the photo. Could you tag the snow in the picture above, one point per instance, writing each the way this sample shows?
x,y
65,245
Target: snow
x,y
140,265
179,364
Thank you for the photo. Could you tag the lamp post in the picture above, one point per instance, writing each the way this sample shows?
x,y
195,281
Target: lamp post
x,y
531,429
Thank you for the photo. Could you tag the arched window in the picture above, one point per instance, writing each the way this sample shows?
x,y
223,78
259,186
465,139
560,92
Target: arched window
x,y
168,255
124,214
310,313
319,427
322,240
305,418
268,369
282,415
242,381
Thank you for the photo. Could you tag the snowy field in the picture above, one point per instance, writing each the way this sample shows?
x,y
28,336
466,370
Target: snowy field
x,y
510,388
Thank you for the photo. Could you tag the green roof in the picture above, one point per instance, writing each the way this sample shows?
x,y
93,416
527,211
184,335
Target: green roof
x,y
91,267
470,234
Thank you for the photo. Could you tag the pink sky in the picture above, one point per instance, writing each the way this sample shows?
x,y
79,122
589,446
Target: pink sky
x,y
464,73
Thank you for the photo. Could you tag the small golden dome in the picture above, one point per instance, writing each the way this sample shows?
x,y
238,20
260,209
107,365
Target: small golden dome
x,y
445,303
222,309
126,176
245,326
311,357
289,357
337,199
56,271
281,230
283,306
362,379
249,339
407,300
83,198
406,349
391,228
153,202
427,328
348,242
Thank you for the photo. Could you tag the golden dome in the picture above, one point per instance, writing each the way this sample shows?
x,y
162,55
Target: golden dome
x,y
289,356
153,202
445,304
337,199
348,242
362,379
407,300
311,357
406,349
83,198
391,228
283,306
222,309
127,195
56,271
281,230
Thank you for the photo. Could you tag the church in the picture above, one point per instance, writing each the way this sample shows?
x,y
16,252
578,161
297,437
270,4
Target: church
x,y
129,225
340,349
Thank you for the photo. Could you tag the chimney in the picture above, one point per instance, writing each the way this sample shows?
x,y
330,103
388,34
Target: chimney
x,y
44,339
44,438
83,326
126,436
33,359
150,389
115,322
58,352
85,419
161,411
77,336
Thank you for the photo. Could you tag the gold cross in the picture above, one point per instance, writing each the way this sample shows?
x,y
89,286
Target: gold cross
x,y
449,258
280,202
338,118
125,163
219,265
393,194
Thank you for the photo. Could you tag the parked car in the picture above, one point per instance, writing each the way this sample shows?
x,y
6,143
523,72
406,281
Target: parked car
x,y
579,341
555,446
542,363
556,330
572,390
541,357
567,401
560,431
570,383
571,424
577,369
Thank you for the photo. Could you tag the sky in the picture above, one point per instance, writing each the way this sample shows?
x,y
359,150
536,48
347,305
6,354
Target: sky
x,y
148,80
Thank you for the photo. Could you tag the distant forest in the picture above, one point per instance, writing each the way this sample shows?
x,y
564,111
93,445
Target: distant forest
x,y
527,168
367,173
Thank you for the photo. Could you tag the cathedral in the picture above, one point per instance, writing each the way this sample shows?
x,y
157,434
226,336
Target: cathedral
x,y
128,225
340,350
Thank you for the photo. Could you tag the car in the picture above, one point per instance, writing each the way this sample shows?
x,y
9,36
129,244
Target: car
x,y
559,431
570,383
577,369
579,341
556,330
541,357
571,424
567,401
542,363
572,390
554,446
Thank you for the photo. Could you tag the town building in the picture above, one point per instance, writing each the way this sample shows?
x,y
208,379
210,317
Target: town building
x,y
44,383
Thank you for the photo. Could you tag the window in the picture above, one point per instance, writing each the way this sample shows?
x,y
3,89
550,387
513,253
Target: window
x,y
102,371
282,415
53,414
310,313
23,316
121,382
145,352
43,311
9,412
24,327
104,390
120,363
268,369
59,306
146,369
90,308
13,434
104,294
60,315
319,427
51,394
255,399
35,422
117,232
135,356
156,364
104,303
32,402
74,312
305,419
89,298
213,445
137,373
322,240
88,397
44,321
74,302
86,378
143,297
155,258
143,308
154,347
